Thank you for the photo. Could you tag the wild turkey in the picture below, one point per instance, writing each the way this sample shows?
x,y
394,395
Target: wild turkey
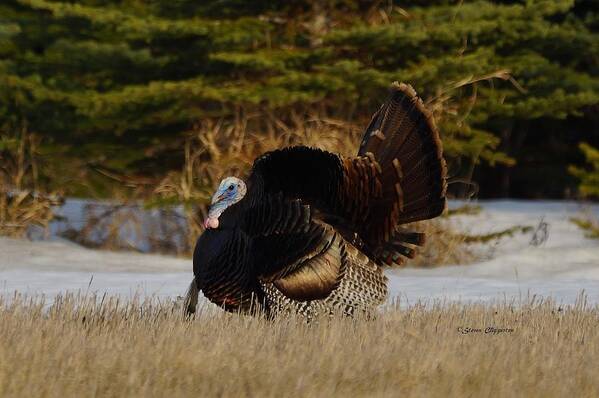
x,y
310,231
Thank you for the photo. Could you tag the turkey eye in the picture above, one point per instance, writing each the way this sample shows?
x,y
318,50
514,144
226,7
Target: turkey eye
x,y
231,187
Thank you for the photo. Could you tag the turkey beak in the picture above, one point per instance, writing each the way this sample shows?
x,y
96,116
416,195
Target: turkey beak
x,y
216,199
219,198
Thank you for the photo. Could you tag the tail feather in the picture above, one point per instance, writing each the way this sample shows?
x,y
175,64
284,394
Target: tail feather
x,y
400,247
403,139
412,238
425,213
191,299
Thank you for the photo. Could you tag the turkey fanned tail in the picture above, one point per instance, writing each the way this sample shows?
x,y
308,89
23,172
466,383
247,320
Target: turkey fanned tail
x,y
403,140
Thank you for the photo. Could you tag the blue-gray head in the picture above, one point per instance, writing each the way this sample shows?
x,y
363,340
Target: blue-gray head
x,y
230,191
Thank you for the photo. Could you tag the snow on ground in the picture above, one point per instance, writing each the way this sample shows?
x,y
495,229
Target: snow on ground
x,y
561,268
53,267
566,264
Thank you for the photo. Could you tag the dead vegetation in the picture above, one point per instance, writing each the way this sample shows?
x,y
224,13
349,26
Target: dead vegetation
x,y
109,347
444,245
589,223
22,204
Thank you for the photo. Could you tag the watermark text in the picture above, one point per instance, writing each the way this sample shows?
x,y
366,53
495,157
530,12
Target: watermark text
x,y
492,330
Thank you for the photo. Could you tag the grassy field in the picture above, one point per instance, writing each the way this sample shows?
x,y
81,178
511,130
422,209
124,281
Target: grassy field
x,y
78,347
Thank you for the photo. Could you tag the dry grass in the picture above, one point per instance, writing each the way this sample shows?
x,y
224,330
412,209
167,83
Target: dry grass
x,y
445,245
19,210
215,149
21,203
588,222
78,348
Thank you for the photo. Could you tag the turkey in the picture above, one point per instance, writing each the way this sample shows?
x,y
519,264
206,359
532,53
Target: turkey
x,y
309,231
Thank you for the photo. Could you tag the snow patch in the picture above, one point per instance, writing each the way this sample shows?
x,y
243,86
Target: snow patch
x,y
566,264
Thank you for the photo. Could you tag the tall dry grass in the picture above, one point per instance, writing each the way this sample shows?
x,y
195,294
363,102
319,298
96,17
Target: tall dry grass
x,y
22,204
445,245
112,348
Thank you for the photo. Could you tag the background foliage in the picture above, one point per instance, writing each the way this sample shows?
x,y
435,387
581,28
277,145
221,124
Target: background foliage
x,y
117,88
589,177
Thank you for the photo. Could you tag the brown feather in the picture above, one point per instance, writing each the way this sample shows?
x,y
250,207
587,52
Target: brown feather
x,y
361,286
317,274
413,171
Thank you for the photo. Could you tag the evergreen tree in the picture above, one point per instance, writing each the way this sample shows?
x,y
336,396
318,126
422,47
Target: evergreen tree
x,y
117,83
589,177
